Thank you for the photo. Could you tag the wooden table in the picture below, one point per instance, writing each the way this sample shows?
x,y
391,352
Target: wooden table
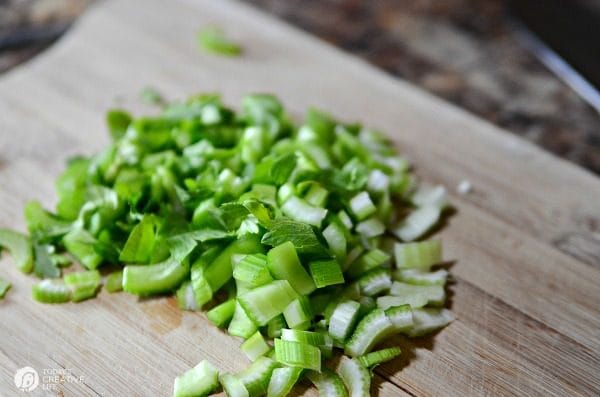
x,y
526,240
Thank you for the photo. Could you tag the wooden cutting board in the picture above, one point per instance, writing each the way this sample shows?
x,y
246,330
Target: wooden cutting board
x,y
526,241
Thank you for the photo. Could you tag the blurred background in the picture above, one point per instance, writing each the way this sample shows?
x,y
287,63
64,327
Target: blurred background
x,y
489,57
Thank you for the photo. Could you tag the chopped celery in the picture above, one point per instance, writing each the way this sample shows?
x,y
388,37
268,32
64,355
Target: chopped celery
x,y
284,264
255,346
19,246
418,223
372,329
256,377
298,313
221,314
283,380
343,320
51,291
233,386
356,377
114,282
325,273
263,303
83,285
4,287
241,325
328,383
372,359
301,211
298,354
420,255
420,277
429,320
201,380
375,282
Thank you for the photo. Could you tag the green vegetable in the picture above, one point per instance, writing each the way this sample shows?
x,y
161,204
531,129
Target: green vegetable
x,y
4,287
307,236
213,40
201,380
298,354
19,246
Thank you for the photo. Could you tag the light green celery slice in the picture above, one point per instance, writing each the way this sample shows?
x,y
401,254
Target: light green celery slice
x,y
253,271
83,285
232,386
297,354
356,377
319,339
418,222
372,359
51,291
420,277
336,240
325,273
221,314
378,181
368,261
375,282
362,206
20,248
154,279
241,325
284,264
372,329
185,297
428,320
4,287
417,295
256,377
401,317
263,303
343,320
255,346
352,256
345,219
298,314
328,383
371,227
283,380
430,195
299,210
114,282
421,255
198,381
275,326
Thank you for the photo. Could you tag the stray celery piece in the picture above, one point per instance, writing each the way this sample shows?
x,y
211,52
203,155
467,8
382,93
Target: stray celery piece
x,y
212,39
83,285
428,320
255,346
298,354
51,291
201,380
114,282
418,222
284,264
19,246
222,314
372,359
325,273
4,287
343,320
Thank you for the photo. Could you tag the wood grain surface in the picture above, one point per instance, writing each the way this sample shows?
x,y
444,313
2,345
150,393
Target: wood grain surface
x,y
526,241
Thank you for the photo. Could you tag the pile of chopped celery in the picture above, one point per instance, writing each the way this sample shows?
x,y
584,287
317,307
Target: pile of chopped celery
x,y
304,240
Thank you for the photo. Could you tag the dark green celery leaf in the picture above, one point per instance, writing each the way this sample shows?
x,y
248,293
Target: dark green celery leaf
x,y
300,234
233,214
117,120
140,243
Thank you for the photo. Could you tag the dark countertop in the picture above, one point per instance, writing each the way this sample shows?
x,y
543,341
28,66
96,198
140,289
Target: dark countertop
x,y
462,50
